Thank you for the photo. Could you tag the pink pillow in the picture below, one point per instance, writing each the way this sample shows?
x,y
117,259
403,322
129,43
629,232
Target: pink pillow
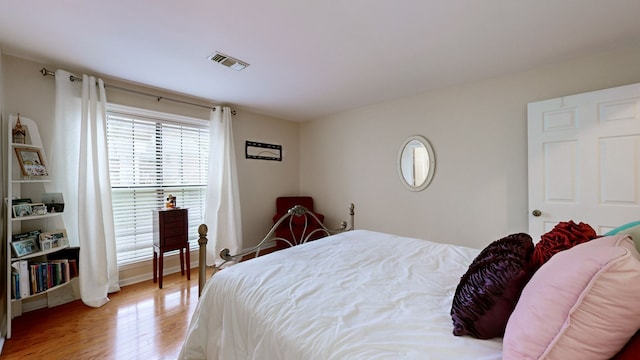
x,y
581,304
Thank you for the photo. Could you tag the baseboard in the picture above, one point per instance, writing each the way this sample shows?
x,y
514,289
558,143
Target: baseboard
x,y
143,271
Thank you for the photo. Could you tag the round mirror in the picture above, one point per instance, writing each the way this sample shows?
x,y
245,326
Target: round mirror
x,y
416,163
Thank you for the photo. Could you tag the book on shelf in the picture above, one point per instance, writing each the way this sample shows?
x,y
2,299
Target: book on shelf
x,y
44,277
21,269
15,285
73,268
33,279
15,280
62,271
24,278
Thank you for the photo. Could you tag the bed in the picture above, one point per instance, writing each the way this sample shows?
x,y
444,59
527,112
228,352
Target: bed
x,y
360,294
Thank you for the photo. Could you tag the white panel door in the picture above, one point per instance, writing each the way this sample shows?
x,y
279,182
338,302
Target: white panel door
x,y
584,160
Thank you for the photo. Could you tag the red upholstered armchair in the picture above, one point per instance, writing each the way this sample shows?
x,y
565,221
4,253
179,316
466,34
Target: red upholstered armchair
x,y
293,228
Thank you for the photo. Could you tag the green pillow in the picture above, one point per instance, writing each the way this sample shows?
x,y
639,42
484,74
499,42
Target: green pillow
x,y
632,228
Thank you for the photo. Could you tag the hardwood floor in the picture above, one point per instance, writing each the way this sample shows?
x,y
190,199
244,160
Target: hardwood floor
x,y
140,322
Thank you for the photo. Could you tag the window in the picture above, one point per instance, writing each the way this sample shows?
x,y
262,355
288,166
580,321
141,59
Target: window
x,y
152,155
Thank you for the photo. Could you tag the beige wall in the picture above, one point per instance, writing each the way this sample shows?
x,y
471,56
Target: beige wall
x,y
478,131
260,182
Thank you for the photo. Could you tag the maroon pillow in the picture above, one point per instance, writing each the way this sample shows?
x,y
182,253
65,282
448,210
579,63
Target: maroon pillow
x,y
564,236
518,245
489,290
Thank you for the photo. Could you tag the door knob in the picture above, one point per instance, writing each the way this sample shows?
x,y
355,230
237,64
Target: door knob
x,y
536,213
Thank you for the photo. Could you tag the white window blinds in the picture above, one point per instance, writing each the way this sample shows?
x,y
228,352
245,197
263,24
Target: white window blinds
x,y
151,157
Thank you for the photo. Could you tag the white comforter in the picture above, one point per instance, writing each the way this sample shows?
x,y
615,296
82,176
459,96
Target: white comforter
x,y
356,295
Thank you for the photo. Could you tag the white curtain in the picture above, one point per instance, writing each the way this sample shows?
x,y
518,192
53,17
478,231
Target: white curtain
x,y
222,212
80,168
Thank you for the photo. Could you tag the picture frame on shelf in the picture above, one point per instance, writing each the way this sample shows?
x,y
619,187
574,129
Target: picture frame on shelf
x,y
24,247
46,245
38,209
22,210
54,239
31,161
16,201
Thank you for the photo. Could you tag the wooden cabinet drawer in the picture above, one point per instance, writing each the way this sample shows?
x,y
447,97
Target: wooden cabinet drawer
x,y
172,217
173,230
172,241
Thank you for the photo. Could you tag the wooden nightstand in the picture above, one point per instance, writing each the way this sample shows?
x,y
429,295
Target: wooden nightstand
x,y
170,233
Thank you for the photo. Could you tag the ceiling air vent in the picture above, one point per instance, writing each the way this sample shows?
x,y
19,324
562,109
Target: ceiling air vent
x,y
228,61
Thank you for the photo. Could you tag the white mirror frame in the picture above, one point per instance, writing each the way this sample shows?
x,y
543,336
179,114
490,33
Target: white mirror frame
x,y
432,163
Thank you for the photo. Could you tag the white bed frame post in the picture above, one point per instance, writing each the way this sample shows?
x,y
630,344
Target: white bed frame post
x,y
202,241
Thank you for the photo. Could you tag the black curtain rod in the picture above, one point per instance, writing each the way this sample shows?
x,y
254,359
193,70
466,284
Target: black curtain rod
x,y
73,78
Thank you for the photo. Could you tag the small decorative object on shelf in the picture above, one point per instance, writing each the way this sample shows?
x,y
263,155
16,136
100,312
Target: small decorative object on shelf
x,y
19,133
171,202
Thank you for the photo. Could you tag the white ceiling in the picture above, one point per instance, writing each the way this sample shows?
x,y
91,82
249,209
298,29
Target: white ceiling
x,y
310,58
